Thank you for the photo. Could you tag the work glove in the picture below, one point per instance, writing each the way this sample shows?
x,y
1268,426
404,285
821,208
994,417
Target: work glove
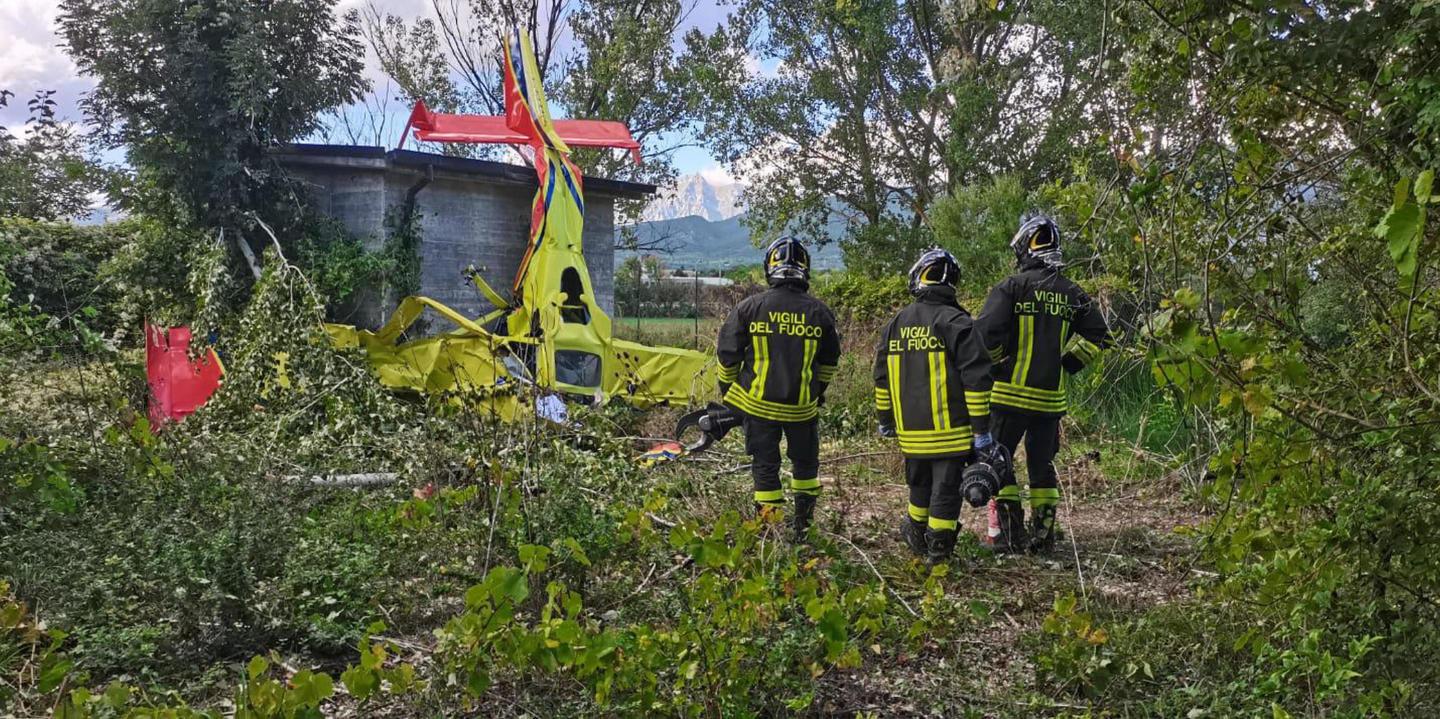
x,y
986,449
886,430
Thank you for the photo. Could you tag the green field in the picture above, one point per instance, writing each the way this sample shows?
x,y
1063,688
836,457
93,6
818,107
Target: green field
x,y
671,331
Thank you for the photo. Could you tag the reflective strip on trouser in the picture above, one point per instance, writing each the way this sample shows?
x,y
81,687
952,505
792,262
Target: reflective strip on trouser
x,y
1042,439
770,496
934,491
809,486
762,443
1044,496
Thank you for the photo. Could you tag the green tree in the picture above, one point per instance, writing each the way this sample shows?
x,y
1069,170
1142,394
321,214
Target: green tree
x,y
878,107
46,173
624,61
198,92
976,222
1267,210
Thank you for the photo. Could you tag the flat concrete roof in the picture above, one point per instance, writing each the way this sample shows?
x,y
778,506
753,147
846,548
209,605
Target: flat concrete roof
x,y
410,161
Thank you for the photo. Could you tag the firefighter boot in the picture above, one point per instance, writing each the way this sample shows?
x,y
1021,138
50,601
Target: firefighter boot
x,y
940,543
1042,528
804,512
1011,539
913,534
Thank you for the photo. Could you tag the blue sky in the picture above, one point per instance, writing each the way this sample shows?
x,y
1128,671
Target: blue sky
x,y
31,61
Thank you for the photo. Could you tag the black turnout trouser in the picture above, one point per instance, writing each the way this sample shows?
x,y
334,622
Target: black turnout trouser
x,y
802,446
1042,441
935,491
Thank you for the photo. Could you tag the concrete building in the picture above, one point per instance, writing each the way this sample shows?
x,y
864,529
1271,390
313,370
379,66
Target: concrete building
x,y
471,212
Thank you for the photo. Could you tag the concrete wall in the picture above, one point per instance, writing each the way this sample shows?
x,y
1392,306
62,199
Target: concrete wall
x,y
465,219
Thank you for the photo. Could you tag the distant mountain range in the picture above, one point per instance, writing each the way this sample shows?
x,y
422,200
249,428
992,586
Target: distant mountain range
x,y
695,195
699,223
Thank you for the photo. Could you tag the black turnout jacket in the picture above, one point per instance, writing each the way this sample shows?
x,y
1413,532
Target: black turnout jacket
x,y
778,351
932,377
1039,327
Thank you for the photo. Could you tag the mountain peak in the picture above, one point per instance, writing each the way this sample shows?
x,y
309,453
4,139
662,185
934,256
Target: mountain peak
x,y
713,200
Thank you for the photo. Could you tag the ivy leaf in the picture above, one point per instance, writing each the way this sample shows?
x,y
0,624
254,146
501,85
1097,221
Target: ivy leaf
x,y
1401,230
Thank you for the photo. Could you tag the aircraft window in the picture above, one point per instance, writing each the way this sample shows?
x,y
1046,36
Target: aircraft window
x,y
581,369
574,310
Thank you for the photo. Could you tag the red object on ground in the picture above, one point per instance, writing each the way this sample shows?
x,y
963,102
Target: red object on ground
x,y
992,529
494,129
178,386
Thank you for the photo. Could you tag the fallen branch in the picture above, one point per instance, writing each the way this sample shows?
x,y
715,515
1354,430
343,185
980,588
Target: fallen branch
x,y
364,479
875,571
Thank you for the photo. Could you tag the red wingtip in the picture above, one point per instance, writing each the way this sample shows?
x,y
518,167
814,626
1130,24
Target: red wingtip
x,y
420,119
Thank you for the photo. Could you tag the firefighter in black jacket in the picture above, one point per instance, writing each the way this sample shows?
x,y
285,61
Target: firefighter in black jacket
x,y
932,390
1038,327
778,351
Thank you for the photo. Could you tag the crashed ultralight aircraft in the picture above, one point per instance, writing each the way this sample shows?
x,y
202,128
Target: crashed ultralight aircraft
x,y
550,332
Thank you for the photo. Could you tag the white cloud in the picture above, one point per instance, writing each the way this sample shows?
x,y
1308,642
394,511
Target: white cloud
x,y
29,56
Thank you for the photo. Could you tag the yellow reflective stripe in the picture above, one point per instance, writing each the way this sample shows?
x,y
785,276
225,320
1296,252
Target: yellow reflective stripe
x,y
929,434
1044,496
942,392
1007,395
1009,491
1024,349
935,377
1083,349
942,524
934,443
806,486
919,514
1023,391
977,404
882,398
996,354
825,372
765,409
770,496
761,345
806,373
894,366
728,374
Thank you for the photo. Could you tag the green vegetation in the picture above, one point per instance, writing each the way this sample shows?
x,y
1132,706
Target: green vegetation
x,y
1250,506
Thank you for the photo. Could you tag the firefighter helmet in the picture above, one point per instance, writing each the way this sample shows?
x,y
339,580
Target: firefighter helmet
x,y
1038,238
786,260
936,267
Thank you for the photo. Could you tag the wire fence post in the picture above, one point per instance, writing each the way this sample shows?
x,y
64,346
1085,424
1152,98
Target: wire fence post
x,y
695,310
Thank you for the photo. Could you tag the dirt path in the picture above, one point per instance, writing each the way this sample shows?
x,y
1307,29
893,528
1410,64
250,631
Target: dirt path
x,y
1120,550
